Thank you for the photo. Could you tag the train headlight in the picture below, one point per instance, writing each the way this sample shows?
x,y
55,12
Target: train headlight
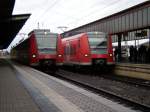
x,y
59,55
86,55
33,56
110,55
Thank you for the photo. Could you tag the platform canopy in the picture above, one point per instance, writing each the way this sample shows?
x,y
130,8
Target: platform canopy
x,y
135,18
9,24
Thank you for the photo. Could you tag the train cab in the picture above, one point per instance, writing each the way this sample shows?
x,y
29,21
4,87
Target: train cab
x,y
39,49
90,48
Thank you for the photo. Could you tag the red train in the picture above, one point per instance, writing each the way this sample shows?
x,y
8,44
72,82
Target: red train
x,y
91,48
40,49
43,48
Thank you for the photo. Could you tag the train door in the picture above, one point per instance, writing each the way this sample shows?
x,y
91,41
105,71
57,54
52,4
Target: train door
x,y
110,50
74,50
67,51
78,52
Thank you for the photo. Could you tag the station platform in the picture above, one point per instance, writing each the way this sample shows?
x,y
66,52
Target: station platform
x,y
24,89
13,95
139,71
137,65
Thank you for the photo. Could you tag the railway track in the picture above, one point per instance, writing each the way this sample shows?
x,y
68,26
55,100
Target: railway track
x,y
125,79
129,80
135,82
106,93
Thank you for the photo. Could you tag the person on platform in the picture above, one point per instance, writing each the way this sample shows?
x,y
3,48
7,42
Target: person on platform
x,y
116,53
131,51
135,52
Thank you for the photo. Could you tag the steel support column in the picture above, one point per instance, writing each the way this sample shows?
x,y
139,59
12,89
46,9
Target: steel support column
x,y
149,36
119,47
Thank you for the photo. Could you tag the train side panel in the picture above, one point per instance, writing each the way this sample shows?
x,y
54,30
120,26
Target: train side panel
x,y
92,48
84,51
40,49
43,48
77,50
60,52
21,53
33,52
110,60
73,55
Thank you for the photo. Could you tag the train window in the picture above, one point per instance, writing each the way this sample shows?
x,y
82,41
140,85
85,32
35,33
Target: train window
x,y
46,43
67,49
72,49
97,40
98,43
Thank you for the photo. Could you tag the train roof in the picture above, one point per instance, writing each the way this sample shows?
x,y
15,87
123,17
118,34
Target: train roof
x,y
83,33
74,36
41,31
100,33
36,31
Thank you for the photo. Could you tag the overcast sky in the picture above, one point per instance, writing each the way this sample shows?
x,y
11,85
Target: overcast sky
x,y
70,13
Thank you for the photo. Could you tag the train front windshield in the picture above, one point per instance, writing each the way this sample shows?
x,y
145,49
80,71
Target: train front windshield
x,y
46,43
98,43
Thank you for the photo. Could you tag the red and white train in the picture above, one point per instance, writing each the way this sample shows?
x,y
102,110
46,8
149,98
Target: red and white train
x,y
90,48
39,49
44,48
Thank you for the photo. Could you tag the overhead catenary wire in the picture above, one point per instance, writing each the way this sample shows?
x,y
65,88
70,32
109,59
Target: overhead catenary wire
x,y
95,11
75,19
41,16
